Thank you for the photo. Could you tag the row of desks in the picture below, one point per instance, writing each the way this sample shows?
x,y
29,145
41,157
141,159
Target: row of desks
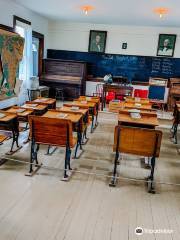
x,y
79,116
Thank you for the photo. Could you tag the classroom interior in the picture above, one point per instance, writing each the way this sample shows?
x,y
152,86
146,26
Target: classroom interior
x,y
89,120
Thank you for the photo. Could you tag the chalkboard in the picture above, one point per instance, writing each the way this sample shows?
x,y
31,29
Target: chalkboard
x,y
135,68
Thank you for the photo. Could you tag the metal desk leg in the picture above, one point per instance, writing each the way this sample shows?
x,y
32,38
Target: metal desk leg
x,y
79,142
15,132
92,124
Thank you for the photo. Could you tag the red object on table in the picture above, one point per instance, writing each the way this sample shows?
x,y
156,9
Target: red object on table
x,y
110,96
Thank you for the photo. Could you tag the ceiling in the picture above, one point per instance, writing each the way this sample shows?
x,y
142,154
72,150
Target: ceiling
x,y
125,12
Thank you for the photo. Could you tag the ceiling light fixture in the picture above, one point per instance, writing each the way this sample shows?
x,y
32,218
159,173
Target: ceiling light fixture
x,y
161,11
87,8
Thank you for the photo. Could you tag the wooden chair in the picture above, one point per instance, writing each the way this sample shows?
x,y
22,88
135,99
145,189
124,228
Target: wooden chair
x,y
137,141
54,132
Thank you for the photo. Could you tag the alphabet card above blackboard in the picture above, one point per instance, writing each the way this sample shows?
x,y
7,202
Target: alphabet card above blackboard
x,y
135,68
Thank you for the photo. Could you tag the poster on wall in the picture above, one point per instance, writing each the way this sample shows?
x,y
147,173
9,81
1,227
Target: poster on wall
x,y
97,41
166,45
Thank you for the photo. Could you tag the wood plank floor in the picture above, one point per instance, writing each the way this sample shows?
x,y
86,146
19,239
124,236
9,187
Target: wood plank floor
x,y
86,208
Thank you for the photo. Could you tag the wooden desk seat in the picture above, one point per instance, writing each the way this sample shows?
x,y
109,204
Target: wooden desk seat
x,y
137,141
54,132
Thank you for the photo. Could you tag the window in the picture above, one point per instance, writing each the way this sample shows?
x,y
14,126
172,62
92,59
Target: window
x,y
23,28
38,52
35,53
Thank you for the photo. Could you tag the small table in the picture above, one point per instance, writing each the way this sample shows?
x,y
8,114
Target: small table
x,y
39,90
10,123
39,109
46,101
146,120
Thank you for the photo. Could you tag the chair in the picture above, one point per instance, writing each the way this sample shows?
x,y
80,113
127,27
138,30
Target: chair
x,y
110,96
141,93
54,132
138,141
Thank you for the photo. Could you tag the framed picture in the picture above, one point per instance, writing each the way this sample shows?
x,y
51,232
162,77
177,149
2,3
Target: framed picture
x,y
166,45
97,41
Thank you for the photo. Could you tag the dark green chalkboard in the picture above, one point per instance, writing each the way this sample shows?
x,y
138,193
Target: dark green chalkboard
x,y
136,68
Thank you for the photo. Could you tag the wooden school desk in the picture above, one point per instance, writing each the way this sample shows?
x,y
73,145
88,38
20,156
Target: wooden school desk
x,y
146,121
39,109
47,101
10,123
90,105
137,100
92,99
22,113
127,110
139,106
84,112
75,118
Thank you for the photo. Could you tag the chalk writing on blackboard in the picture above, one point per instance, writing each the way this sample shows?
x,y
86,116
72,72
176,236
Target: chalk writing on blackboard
x,y
167,67
156,65
142,62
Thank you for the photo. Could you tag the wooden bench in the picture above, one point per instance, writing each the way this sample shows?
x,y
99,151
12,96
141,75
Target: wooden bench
x,y
137,141
54,132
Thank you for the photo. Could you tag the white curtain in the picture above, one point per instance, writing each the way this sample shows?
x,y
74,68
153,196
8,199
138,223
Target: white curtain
x,y
26,65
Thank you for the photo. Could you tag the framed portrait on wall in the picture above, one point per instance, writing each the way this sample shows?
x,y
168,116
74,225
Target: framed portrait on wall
x,y
166,45
97,41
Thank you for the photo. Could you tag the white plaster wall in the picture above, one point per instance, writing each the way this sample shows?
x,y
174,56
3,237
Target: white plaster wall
x,y
141,40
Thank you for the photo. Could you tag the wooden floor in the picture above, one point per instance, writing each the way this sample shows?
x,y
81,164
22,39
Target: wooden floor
x,y
86,208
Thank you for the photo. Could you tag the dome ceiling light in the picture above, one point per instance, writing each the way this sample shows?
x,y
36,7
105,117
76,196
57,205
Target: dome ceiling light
x,y
161,11
87,8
